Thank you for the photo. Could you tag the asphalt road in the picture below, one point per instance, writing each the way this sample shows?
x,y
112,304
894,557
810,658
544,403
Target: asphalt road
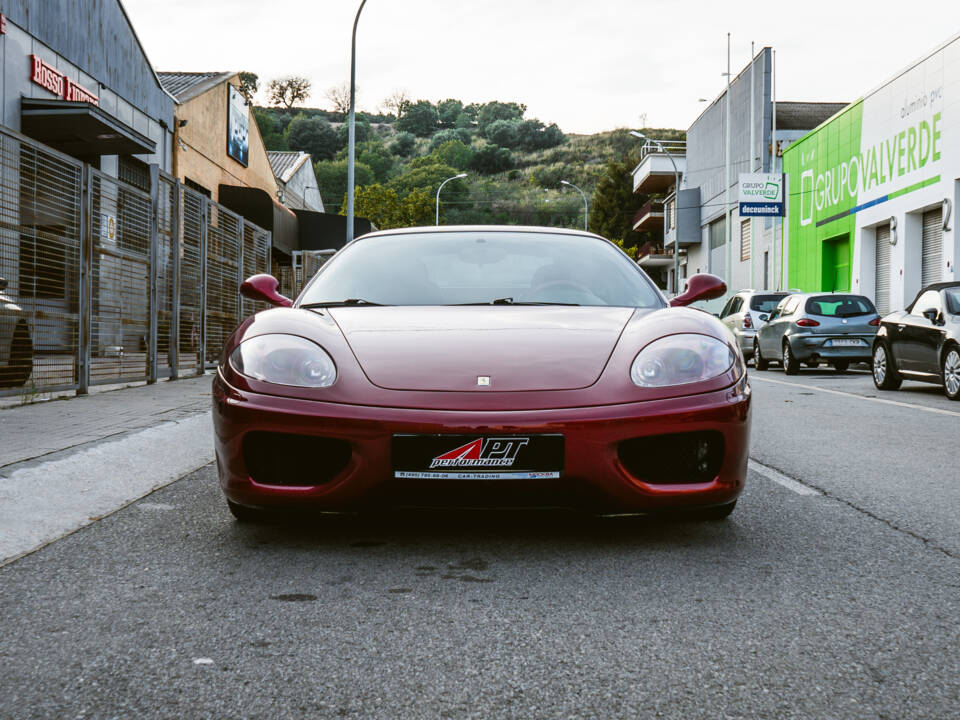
x,y
841,602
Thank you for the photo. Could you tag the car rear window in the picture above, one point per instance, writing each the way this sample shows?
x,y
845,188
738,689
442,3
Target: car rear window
x,y
765,303
839,306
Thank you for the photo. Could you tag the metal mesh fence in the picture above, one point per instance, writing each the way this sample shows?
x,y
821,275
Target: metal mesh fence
x,y
306,264
120,217
40,237
101,282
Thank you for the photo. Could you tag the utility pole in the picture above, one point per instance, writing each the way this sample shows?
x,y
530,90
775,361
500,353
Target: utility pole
x,y
352,126
753,140
729,263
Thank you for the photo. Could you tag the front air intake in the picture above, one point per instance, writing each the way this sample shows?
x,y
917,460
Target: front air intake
x,y
293,460
673,459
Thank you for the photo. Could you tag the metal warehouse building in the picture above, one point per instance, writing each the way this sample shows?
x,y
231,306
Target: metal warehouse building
x,y
872,191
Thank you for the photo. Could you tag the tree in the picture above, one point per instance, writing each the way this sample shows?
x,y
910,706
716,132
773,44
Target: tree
x,y
361,128
403,144
455,154
314,135
249,84
420,118
614,204
493,111
332,179
388,210
374,155
288,91
504,133
447,135
270,129
491,159
339,96
532,135
429,178
396,102
449,110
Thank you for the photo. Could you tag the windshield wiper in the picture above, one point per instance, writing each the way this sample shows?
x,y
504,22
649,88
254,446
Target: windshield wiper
x,y
511,301
338,303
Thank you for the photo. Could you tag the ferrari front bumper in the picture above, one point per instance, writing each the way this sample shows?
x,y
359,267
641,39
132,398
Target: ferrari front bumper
x,y
592,470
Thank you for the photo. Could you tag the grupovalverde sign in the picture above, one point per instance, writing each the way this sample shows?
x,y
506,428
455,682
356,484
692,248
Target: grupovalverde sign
x,y
761,194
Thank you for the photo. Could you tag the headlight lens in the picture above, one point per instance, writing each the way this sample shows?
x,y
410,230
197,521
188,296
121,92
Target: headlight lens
x,y
284,360
681,359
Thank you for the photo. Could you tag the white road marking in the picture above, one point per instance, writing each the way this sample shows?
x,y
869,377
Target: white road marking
x,y
45,501
202,661
938,411
778,477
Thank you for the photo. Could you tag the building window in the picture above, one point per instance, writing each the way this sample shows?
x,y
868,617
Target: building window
x,y
745,239
718,233
671,214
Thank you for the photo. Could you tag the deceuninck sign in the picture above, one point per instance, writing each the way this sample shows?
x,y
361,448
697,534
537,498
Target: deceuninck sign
x,y
761,194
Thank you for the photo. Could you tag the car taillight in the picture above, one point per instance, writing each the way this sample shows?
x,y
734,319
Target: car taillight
x,y
807,322
875,322
747,321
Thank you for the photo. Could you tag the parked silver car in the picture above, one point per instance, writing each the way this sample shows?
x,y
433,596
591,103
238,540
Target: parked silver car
x,y
16,346
811,328
743,311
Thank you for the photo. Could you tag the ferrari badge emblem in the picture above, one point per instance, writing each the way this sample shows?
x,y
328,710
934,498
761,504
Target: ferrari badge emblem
x,y
483,380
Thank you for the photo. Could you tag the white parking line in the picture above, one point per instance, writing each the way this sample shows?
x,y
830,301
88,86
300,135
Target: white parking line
x,y
938,411
778,477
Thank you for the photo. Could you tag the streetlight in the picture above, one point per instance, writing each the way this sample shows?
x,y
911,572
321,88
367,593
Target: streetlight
x,y
352,132
455,177
676,198
586,209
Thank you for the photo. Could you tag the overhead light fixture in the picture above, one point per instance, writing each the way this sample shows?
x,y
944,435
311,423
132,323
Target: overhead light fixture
x,y
109,136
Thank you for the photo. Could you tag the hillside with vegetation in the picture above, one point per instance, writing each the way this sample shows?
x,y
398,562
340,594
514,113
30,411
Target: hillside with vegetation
x,y
515,165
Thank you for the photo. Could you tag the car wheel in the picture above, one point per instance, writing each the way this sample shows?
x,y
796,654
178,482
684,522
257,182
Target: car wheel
x,y
791,366
841,366
885,375
951,373
20,366
251,515
758,361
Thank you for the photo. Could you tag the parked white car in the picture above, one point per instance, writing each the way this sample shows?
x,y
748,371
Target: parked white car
x,y
742,314
16,345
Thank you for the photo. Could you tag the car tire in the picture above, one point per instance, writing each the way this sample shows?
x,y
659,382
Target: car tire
x,y
841,366
791,366
951,373
20,366
245,514
884,369
758,361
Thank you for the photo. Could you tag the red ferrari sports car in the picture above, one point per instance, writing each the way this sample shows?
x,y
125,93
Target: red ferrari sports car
x,y
482,366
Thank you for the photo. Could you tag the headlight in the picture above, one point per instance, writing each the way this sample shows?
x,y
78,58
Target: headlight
x,y
681,359
284,360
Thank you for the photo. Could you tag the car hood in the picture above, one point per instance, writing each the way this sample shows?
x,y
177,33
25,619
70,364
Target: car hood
x,y
451,348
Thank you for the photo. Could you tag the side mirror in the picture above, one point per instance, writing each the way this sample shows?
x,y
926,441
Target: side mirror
x,y
700,287
264,288
931,314
764,317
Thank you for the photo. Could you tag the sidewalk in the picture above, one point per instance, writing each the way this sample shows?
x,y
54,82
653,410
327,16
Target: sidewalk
x,y
32,431
67,463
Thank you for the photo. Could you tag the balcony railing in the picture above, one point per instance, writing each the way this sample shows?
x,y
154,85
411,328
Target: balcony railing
x,y
674,147
649,216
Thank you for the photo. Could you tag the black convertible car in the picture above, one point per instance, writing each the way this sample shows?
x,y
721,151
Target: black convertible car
x,y
921,342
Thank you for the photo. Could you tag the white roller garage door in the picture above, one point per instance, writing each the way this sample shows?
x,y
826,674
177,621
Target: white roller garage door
x,y
882,295
932,258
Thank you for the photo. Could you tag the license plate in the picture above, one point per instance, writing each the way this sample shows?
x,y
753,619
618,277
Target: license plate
x,y
846,342
477,457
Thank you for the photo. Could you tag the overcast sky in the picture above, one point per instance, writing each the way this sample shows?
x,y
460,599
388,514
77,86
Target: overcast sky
x,y
588,65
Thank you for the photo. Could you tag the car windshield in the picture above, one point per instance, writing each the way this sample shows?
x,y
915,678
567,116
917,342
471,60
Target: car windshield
x,y
839,306
765,303
478,267
953,300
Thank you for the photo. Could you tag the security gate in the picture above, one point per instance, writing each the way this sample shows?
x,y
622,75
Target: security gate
x,y
306,264
931,254
882,277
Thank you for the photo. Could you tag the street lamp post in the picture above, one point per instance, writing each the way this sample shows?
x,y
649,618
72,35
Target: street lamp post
x,y
351,122
455,177
676,199
586,208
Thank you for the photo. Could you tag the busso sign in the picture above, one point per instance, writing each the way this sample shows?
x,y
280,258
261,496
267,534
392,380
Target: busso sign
x,y
47,76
